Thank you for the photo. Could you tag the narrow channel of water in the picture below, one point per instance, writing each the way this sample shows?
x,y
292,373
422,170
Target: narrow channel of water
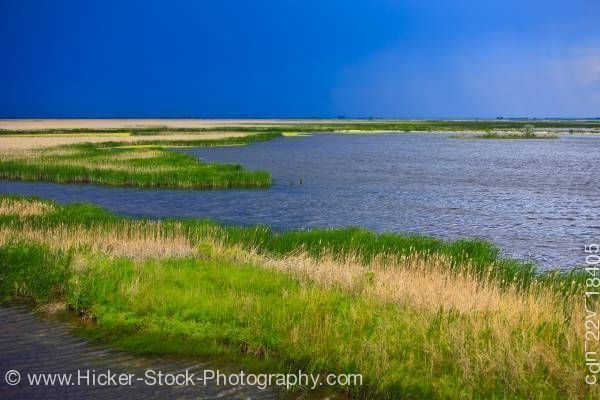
x,y
30,345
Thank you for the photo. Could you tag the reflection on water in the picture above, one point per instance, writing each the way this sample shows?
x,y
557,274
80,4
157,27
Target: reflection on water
x,y
537,199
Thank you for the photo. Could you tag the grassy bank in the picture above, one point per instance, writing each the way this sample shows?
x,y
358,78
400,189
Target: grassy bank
x,y
418,317
141,164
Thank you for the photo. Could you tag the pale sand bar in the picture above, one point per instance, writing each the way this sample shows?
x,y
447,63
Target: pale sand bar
x,y
41,124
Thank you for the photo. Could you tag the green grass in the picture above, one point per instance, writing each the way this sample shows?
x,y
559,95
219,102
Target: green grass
x,y
144,164
217,306
234,312
266,321
483,257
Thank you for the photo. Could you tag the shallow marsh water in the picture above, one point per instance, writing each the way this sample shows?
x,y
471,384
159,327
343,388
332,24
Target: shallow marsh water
x,y
536,199
30,345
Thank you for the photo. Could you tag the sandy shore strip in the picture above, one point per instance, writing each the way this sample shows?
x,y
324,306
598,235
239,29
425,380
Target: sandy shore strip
x,y
42,124
31,142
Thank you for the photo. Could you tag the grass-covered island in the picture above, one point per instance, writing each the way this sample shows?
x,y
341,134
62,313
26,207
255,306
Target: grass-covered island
x,y
525,132
140,156
146,163
506,135
418,317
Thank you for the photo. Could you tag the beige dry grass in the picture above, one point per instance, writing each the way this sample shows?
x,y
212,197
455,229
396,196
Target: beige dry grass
x,y
112,161
486,329
136,240
416,282
15,142
43,124
24,208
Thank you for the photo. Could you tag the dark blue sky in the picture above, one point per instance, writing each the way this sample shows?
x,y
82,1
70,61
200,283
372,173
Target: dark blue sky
x,y
380,58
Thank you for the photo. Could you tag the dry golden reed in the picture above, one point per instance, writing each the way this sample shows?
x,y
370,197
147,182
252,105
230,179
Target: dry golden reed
x,y
486,329
24,208
23,142
136,240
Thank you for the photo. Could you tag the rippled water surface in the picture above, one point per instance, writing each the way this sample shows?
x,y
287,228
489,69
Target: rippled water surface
x,y
30,345
537,199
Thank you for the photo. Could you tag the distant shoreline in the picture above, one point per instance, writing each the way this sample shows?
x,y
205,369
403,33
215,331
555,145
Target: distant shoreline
x,y
117,123
129,123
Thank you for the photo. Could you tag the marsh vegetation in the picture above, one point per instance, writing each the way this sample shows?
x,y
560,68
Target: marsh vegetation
x,y
417,316
142,164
